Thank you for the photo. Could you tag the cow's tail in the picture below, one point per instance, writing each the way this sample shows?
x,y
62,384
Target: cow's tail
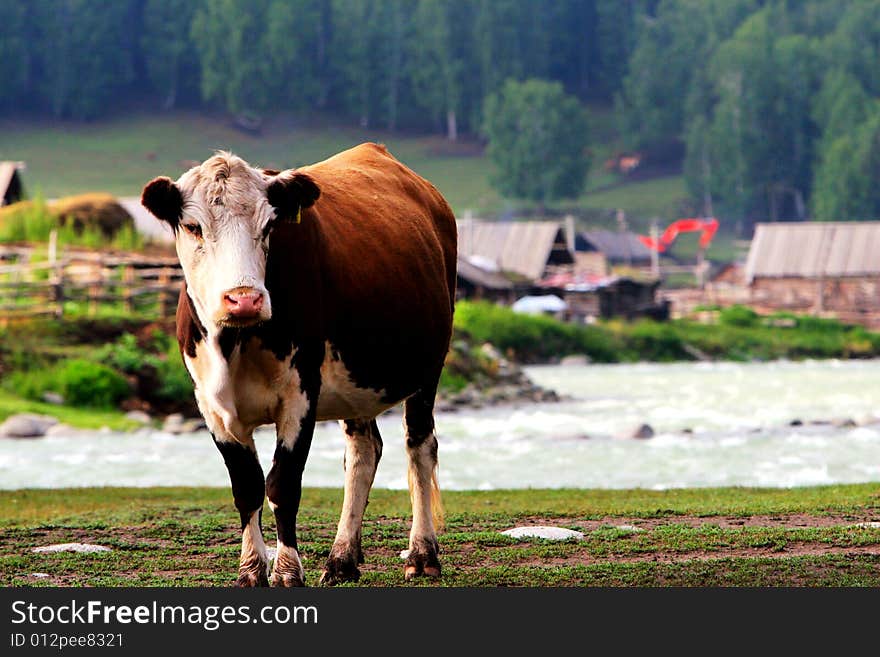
x,y
438,515
437,510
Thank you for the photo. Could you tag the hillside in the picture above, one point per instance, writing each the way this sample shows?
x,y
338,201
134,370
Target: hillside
x,y
120,155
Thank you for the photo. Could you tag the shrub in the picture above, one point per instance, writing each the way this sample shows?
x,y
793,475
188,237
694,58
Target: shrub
x,y
81,382
738,316
86,383
533,338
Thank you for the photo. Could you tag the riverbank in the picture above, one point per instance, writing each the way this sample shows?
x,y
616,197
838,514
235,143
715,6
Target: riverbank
x,y
732,334
121,373
818,536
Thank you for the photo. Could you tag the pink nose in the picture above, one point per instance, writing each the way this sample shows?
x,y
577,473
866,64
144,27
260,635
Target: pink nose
x,y
243,302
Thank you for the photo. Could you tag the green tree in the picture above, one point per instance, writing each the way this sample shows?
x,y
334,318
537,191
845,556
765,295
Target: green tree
x,y
846,179
855,43
85,55
15,58
761,133
538,137
436,66
169,52
229,35
670,56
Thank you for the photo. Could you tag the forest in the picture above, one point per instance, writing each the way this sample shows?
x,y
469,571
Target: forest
x,y
769,107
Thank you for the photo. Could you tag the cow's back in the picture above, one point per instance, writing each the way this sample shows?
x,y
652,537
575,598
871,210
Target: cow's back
x,y
384,243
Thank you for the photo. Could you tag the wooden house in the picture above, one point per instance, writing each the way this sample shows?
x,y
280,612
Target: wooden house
x,y
823,268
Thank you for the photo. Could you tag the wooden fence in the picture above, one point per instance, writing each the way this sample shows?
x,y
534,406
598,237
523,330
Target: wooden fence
x,y
32,286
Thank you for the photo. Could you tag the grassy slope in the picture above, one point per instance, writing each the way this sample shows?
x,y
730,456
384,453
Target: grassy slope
x,y
67,158
120,155
177,536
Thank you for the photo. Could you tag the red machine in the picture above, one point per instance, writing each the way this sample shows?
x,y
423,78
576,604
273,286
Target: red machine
x,y
707,227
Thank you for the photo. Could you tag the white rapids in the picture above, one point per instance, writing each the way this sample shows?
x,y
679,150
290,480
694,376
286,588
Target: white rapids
x,y
715,424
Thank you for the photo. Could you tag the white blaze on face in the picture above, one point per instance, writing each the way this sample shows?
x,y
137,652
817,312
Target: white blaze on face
x,y
222,240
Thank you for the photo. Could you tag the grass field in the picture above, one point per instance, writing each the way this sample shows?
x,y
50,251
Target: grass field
x,y
120,156
698,537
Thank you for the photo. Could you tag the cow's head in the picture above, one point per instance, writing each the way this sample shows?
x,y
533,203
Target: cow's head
x,y
222,213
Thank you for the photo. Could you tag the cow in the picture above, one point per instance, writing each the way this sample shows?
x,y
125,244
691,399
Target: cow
x,y
324,292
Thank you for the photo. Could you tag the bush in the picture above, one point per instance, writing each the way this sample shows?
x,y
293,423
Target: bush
x,y
160,370
738,316
532,338
86,383
81,382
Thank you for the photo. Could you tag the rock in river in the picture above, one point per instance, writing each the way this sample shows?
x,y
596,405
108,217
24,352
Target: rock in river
x,y
26,425
639,431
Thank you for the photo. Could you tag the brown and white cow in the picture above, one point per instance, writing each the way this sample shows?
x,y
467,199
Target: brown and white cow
x,y
321,293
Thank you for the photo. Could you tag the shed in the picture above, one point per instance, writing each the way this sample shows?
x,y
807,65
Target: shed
x,y
619,248
475,282
820,267
11,188
523,248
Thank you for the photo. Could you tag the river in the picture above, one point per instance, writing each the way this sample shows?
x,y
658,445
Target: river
x,y
716,424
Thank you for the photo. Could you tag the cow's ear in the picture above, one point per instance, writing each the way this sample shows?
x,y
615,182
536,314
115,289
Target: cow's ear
x,y
163,198
289,194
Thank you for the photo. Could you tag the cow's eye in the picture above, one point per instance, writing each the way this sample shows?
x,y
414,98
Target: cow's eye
x,y
193,229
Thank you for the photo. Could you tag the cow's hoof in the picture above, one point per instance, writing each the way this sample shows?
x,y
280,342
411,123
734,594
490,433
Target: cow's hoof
x,y
251,579
422,562
339,570
288,580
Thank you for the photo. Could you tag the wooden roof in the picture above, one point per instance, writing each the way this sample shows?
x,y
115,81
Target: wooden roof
x,y
814,249
8,172
520,247
615,245
477,276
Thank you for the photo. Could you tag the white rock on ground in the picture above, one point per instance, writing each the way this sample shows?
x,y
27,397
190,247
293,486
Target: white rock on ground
x,y
628,528
549,533
868,525
26,425
139,416
173,423
53,398
72,547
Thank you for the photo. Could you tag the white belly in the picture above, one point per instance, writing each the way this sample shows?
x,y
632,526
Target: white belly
x,y
341,399
237,396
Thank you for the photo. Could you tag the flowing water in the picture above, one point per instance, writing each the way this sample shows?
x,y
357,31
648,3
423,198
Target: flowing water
x,y
716,424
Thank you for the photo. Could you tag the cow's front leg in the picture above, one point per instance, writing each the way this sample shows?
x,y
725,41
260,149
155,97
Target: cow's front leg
x,y
284,484
363,450
248,490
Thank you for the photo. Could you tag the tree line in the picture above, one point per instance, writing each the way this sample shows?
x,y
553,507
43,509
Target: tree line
x,y
775,103
771,104
419,64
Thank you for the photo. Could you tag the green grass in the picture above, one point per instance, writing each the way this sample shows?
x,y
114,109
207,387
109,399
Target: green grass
x,y
81,418
120,155
186,536
534,338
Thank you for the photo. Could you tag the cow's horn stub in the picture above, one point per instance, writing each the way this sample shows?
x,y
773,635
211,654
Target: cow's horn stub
x,y
162,197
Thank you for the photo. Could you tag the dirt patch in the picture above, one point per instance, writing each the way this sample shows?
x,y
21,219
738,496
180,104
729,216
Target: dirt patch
x,y
788,521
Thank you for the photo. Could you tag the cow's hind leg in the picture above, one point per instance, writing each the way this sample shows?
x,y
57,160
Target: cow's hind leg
x,y
248,490
421,447
363,450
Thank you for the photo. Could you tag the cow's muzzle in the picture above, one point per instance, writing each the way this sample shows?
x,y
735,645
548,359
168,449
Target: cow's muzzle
x,y
243,305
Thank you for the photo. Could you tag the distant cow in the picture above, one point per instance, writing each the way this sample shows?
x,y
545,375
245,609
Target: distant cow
x,y
321,293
